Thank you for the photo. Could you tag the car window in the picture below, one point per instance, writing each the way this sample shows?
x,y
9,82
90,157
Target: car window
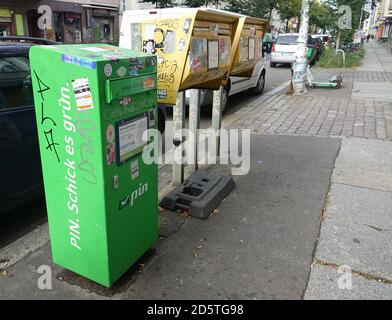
x,y
15,82
287,40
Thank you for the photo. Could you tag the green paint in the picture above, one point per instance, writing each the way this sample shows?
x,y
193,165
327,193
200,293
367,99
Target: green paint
x,y
19,25
98,229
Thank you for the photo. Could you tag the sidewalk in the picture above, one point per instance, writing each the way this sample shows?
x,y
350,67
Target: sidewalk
x,y
318,196
378,57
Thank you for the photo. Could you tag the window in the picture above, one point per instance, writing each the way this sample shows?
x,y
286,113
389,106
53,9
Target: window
x,y
58,28
5,28
103,29
287,40
15,83
72,28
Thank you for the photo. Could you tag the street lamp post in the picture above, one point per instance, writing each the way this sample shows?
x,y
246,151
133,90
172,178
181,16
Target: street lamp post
x,y
300,64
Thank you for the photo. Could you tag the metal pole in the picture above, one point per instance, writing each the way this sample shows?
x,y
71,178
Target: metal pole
x,y
194,125
217,117
178,138
300,61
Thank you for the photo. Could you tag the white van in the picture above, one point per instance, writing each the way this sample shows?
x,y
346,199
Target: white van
x,y
255,83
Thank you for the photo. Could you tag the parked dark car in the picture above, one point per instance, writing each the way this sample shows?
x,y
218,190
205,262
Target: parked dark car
x,y
20,165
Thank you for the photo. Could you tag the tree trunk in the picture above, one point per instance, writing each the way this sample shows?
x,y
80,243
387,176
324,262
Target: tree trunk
x,y
300,64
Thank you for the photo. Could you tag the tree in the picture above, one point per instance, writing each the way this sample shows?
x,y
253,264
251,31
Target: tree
x,y
160,3
321,16
202,3
289,9
253,8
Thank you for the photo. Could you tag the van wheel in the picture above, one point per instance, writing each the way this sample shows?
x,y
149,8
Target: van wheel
x,y
272,64
258,89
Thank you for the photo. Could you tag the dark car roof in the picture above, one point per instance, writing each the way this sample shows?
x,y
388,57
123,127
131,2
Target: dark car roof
x,y
14,45
7,49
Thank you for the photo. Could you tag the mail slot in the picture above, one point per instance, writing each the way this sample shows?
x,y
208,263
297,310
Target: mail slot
x,y
122,87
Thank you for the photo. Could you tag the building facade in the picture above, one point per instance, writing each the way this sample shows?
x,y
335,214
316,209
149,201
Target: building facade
x,y
72,21
382,27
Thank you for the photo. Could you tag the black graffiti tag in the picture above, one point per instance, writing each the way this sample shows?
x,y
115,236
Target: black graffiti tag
x,y
167,71
51,144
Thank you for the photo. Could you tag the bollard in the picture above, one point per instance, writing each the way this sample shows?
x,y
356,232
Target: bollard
x,y
194,125
178,138
217,117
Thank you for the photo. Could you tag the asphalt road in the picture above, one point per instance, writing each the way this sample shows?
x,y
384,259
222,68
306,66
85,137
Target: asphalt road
x,y
23,220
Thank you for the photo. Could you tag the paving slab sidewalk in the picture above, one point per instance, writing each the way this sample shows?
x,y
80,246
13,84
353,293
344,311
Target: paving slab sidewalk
x,y
357,228
258,245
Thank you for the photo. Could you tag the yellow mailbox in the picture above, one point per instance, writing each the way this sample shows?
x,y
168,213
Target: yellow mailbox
x,y
193,46
247,45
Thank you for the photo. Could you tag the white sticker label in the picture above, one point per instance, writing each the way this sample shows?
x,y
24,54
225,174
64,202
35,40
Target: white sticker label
x,y
134,169
121,71
84,99
108,70
93,49
115,182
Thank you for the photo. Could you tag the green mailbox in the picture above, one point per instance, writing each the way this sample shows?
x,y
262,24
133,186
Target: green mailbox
x,y
93,104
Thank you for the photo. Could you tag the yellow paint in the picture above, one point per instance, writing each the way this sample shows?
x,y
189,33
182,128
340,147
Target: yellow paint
x,y
197,49
6,13
249,31
19,25
176,39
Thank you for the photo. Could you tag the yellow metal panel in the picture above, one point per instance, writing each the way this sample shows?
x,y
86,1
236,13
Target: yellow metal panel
x,y
171,42
247,45
5,13
193,50
19,25
201,48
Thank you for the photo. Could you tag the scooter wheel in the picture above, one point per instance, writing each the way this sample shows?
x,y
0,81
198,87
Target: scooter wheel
x,y
337,84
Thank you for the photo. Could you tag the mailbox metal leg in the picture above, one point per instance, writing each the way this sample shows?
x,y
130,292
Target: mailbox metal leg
x,y
194,125
178,126
217,117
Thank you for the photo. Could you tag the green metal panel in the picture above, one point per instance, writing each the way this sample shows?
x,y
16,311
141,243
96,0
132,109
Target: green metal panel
x,y
101,196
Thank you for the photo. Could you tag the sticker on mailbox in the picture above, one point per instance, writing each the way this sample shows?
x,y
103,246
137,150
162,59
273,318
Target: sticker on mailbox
x,y
81,89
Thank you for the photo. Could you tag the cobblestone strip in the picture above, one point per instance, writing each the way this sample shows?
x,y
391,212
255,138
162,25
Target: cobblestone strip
x,y
319,116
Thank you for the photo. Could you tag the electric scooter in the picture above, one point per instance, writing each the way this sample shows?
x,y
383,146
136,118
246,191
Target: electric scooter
x,y
333,82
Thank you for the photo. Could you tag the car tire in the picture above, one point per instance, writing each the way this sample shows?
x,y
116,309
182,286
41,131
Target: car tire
x,y
272,64
258,89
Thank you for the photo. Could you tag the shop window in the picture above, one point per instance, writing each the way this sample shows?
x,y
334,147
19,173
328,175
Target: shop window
x,y
103,29
72,28
58,27
5,28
